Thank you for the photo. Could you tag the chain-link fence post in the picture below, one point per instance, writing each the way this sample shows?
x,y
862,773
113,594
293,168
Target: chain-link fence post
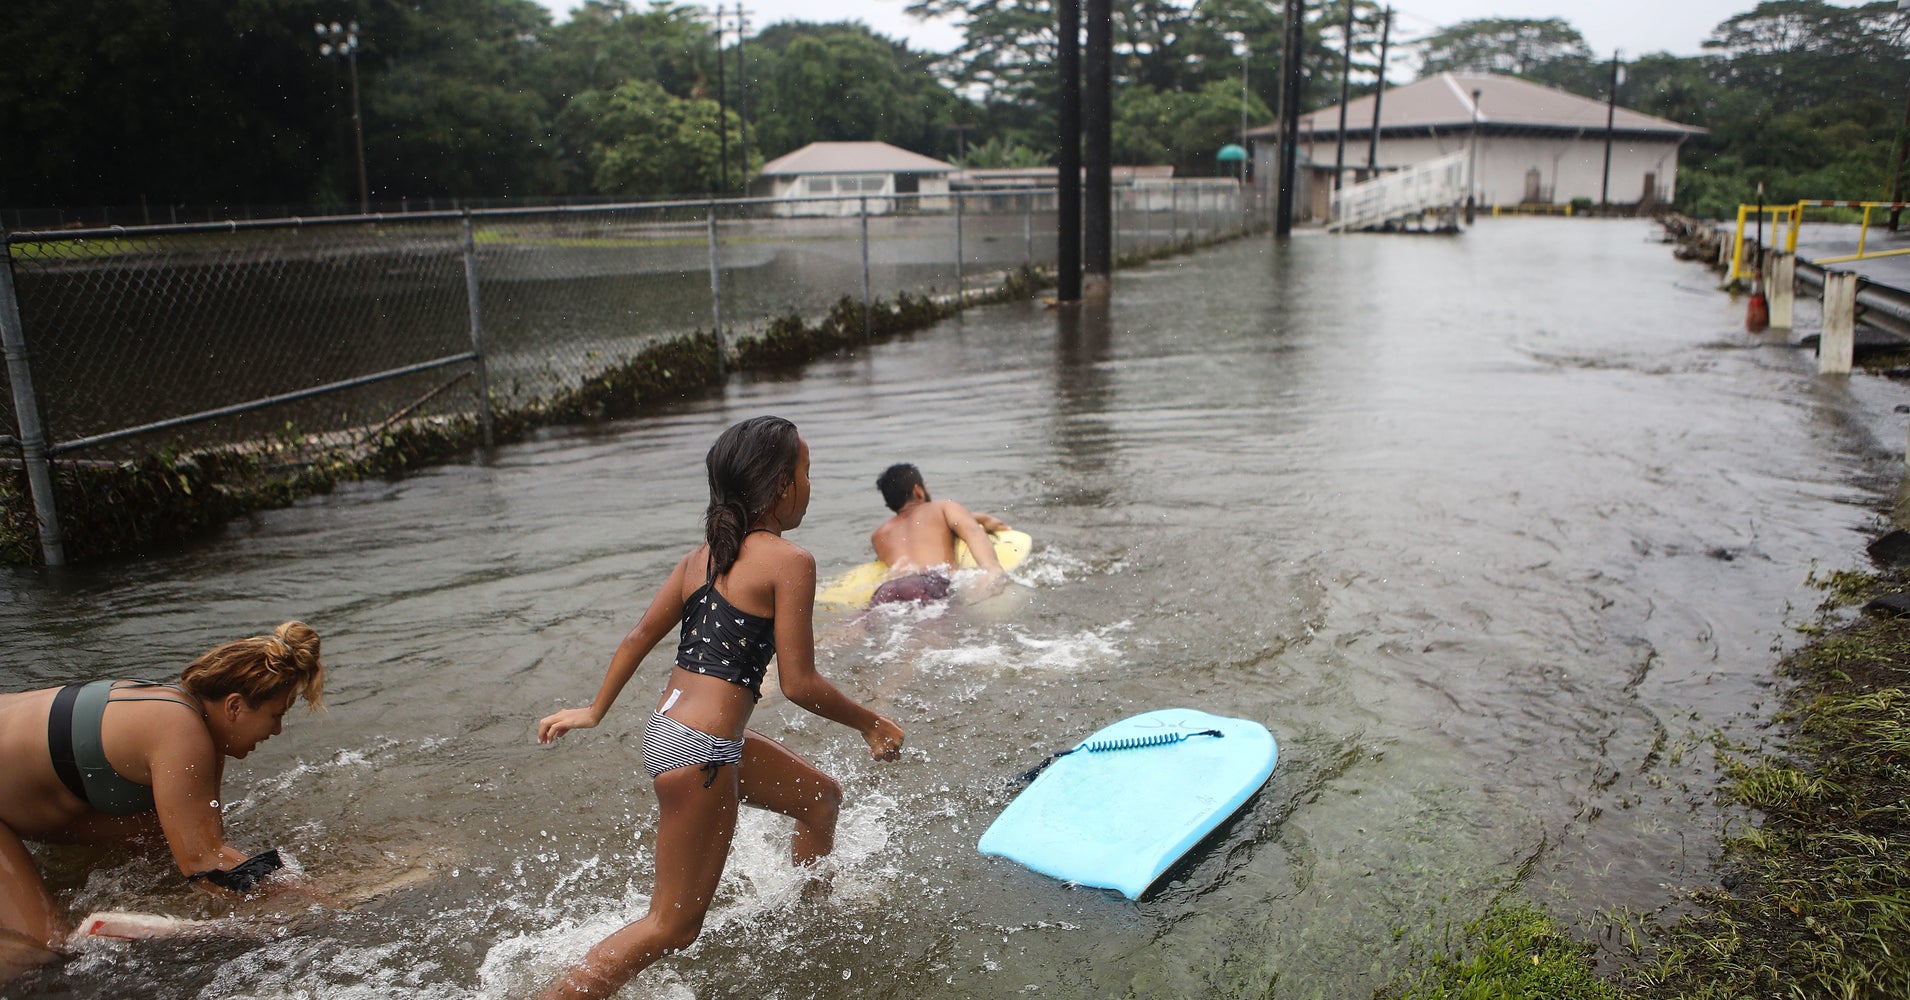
x,y
479,369
716,295
26,411
1144,197
866,331
961,275
1028,232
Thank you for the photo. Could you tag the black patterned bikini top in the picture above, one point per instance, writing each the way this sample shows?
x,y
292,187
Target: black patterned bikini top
x,y
720,641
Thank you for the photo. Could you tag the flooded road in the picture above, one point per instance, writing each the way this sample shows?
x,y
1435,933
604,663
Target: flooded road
x,y
1491,532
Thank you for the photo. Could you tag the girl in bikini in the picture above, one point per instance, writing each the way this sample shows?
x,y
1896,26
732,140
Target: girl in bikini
x,y
110,761
744,596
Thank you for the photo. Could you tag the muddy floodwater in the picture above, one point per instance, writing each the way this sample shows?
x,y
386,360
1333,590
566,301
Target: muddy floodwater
x,y
1490,531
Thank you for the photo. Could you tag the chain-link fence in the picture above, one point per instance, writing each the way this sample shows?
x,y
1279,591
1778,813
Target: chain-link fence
x,y
315,332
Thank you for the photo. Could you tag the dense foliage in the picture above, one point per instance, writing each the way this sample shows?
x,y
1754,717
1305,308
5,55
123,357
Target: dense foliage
x,y
211,102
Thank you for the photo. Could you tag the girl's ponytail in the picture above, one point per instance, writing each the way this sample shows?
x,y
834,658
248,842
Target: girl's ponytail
x,y
750,466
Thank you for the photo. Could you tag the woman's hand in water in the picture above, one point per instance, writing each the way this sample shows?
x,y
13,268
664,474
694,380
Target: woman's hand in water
x,y
552,726
884,739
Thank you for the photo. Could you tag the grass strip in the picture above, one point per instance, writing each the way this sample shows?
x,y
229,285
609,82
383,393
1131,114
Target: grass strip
x,y
1814,896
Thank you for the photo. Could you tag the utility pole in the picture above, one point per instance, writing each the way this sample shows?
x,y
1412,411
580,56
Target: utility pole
x,y
722,112
742,98
1346,72
1372,141
1611,111
1292,78
342,40
1097,123
1068,157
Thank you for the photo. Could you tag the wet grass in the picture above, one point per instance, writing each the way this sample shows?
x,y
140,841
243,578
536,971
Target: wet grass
x,y
1814,899
1512,951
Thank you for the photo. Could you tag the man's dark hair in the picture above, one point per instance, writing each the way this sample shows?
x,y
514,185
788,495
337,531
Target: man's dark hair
x,y
897,482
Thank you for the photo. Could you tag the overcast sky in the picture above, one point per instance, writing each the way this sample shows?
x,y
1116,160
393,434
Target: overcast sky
x,y
1633,27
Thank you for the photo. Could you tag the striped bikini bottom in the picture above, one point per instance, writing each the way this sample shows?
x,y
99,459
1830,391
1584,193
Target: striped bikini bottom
x,y
669,744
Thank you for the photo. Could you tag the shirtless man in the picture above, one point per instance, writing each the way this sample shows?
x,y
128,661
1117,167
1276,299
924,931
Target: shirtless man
x,y
918,543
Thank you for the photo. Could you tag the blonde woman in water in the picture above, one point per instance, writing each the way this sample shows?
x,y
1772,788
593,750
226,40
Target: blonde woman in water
x,y
744,596
109,761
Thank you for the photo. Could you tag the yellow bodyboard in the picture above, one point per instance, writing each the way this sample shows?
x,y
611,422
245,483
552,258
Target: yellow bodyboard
x,y
855,587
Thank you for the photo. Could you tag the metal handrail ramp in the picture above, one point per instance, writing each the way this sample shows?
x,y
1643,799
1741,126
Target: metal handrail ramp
x,y
1433,186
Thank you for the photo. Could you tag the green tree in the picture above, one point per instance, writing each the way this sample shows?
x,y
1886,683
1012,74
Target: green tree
x,y
1543,50
1808,53
115,101
1179,128
1515,46
995,154
844,83
607,42
1010,46
446,110
643,142
1800,95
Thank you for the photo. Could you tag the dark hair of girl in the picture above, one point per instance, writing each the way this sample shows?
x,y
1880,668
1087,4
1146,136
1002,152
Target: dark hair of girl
x,y
750,465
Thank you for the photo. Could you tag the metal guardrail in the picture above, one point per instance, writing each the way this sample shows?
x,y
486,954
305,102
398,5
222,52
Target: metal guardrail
x,y
1892,302
1788,219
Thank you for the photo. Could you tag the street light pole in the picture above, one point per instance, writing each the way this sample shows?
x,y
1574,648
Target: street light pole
x,y
722,113
1246,52
1379,92
742,101
1611,110
1472,158
342,40
1346,72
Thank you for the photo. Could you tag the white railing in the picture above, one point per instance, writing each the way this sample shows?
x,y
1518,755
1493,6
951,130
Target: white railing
x,y
1434,185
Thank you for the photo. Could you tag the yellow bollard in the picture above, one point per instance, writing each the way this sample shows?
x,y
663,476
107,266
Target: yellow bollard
x,y
1737,247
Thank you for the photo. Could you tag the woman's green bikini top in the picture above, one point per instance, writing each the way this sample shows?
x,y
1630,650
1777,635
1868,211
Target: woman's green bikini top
x,y
79,755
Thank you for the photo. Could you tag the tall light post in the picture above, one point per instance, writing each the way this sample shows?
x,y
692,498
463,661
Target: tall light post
x,y
1472,158
1379,92
742,100
342,40
1346,72
1611,111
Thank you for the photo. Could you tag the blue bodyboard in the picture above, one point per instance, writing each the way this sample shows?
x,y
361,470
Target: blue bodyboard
x,y
1117,819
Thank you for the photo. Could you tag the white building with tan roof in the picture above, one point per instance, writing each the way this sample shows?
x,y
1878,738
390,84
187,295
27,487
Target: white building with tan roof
x,y
1534,144
834,178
